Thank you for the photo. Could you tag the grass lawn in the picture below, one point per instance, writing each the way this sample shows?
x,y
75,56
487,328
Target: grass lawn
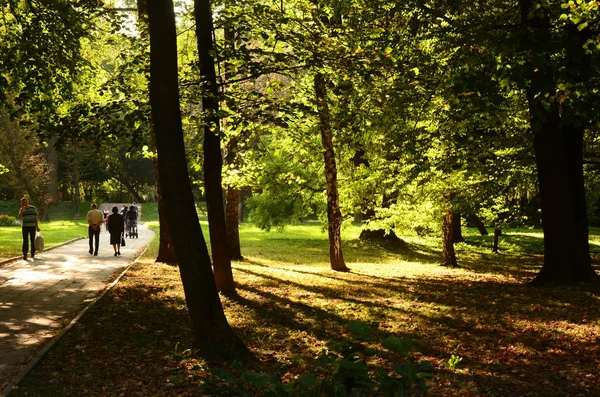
x,y
485,332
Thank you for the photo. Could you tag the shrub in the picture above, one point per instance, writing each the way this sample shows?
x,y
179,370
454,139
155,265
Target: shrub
x,y
6,220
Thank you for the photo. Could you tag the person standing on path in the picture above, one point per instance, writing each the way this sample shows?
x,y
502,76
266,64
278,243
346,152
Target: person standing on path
x,y
29,216
95,218
116,227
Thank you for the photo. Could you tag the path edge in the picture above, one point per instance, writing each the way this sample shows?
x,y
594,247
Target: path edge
x,y
16,258
39,355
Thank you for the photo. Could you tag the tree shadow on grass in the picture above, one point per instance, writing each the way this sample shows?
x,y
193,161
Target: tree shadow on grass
x,y
514,340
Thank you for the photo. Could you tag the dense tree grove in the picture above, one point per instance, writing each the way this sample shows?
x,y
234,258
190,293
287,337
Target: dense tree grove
x,y
410,117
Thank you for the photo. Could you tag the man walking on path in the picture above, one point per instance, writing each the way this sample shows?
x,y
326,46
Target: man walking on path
x,y
29,215
95,218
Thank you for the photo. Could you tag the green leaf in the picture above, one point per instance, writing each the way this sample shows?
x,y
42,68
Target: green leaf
x,y
360,328
400,346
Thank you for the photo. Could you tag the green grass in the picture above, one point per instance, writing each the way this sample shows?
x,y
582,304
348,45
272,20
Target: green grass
x,y
483,329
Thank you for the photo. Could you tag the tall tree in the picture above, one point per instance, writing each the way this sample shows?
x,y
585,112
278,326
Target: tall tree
x,y
232,200
166,249
558,149
334,214
213,161
214,338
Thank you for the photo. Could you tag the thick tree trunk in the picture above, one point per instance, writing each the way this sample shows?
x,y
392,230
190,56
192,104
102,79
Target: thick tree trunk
x,y
213,162
214,338
559,161
474,219
334,214
166,249
448,254
457,228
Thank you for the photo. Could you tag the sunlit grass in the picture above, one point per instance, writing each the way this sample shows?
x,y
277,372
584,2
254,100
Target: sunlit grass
x,y
54,233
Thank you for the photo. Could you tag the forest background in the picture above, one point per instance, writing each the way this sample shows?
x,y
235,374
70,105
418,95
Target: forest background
x,y
429,116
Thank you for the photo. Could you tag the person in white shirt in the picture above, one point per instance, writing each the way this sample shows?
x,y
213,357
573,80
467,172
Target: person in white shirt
x,y
95,218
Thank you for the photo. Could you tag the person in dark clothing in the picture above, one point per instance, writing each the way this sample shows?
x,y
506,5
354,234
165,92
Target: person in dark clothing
x,y
29,216
116,226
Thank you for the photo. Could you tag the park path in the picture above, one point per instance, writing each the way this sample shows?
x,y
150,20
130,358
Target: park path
x,y
38,298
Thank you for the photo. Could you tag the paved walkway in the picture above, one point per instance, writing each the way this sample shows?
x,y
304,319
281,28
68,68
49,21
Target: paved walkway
x,y
39,297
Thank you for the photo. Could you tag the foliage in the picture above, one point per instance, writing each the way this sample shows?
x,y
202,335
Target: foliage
x,y
28,168
7,220
286,181
341,371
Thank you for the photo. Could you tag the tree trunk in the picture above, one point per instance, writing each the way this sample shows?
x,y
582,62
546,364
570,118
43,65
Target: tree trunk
x,y
334,214
448,254
166,249
475,220
213,162
497,234
559,162
457,229
233,215
232,209
214,338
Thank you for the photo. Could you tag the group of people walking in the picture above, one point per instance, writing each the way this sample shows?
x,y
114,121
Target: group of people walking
x,y
115,224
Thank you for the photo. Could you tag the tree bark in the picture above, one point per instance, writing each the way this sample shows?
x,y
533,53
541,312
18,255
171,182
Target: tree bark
x,y
214,338
457,228
166,249
497,234
233,229
334,214
474,219
448,253
559,162
213,162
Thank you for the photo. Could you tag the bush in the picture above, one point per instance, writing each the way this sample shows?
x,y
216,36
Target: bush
x,y
6,220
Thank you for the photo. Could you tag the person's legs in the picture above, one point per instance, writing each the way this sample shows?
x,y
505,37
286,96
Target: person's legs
x,y
90,238
25,247
97,235
32,240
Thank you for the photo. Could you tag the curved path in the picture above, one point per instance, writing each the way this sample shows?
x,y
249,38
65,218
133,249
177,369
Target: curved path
x,y
38,298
